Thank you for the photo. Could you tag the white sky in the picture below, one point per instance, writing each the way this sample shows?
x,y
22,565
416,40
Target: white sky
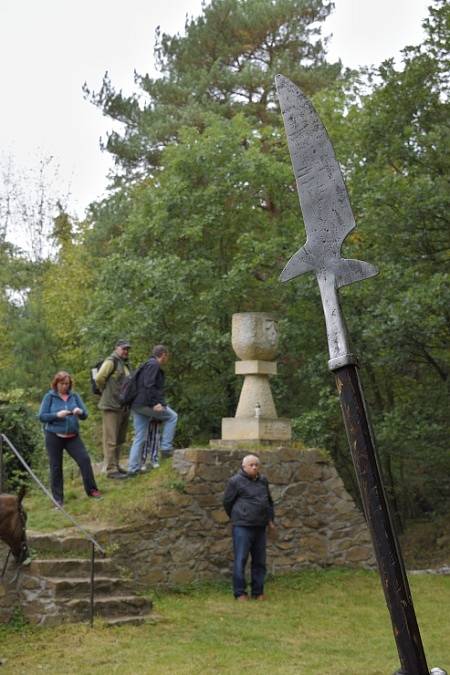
x,y
49,48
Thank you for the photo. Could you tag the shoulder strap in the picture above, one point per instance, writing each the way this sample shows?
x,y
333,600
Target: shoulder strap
x,y
112,358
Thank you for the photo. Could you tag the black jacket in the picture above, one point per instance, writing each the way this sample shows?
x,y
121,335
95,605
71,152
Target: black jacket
x,y
150,385
248,502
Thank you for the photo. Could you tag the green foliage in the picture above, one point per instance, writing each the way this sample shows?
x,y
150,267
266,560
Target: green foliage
x,y
198,244
204,214
399,181
224,64
208,235
19,424
16,624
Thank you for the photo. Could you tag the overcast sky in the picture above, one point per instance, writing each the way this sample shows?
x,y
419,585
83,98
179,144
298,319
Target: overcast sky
x,y
49,48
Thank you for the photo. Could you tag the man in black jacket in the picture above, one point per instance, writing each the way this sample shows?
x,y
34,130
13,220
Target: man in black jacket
x,y
150,404
248,502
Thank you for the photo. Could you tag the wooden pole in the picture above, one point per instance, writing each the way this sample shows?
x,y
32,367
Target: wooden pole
x,y
387,551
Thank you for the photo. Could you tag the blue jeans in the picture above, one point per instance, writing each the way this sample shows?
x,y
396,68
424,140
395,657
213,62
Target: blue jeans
x,y
141,421
249,540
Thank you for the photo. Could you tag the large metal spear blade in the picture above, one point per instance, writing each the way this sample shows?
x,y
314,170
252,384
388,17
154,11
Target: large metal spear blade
x,y
323,196
326,212
328,219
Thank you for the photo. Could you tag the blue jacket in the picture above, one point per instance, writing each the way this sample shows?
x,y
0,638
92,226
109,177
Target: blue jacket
x,y
52,403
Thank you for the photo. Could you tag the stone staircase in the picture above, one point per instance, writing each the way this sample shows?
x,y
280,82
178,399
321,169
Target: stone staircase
x,y
56,588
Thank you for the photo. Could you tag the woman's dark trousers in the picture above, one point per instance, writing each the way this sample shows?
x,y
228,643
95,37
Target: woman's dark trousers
x,y
75,447
249,541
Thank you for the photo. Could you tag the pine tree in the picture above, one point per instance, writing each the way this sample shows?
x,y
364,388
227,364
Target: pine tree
x,y
224,64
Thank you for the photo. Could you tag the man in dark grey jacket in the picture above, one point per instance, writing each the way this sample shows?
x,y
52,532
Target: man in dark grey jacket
x,y
248,502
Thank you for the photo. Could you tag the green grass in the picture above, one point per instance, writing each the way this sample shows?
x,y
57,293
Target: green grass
x,y
123,502
333,623
330,622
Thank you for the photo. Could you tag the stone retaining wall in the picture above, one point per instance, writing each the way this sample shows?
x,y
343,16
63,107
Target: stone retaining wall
x,y
189,537
33,594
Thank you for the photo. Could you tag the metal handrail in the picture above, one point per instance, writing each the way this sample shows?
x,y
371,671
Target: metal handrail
x,y
86,534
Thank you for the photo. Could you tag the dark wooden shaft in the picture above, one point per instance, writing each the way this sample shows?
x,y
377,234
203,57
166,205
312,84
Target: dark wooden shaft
x,y
1,463
387,551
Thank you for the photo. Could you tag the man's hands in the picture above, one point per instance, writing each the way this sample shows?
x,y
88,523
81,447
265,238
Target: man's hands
x,y
271,530
158,407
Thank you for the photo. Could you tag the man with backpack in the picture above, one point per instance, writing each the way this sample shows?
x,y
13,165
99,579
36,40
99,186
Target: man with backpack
x,y
150,404
109,379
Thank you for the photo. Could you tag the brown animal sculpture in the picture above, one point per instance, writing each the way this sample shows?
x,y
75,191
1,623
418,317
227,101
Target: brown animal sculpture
x,y
12,524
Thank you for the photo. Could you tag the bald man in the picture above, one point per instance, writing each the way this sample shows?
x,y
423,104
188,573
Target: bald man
x,y
248,502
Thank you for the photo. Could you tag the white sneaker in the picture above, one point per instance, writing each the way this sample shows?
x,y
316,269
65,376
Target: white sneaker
x,y
155,465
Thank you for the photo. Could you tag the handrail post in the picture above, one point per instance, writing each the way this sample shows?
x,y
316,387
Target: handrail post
x,y
92,584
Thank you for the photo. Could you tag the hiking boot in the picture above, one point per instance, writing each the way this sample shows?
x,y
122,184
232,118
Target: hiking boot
x,y
117,475
242,597
259,597
95,494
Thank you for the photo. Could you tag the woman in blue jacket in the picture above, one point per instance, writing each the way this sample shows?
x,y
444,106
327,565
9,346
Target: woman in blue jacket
x,y
60,410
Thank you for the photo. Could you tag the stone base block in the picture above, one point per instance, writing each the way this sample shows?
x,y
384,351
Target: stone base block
x,y
255,446
255,429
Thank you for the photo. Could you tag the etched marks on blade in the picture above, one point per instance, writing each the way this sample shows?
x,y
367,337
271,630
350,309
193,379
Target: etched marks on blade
x,y
323,197
320,183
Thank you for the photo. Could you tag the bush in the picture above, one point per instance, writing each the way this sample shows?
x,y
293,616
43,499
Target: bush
x,y
19,424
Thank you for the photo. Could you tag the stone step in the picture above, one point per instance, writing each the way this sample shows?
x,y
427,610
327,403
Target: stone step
x,y
109,606
81,586
76,567
59,543
129,620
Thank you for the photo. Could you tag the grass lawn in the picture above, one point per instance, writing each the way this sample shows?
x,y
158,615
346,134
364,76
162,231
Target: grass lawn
x,y
123,502
330,622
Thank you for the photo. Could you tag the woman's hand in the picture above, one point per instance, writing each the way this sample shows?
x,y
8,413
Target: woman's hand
x,y
77,411
63,413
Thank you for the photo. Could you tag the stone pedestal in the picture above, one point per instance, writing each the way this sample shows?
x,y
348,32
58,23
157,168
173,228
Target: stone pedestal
x,y
252,429
255,340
